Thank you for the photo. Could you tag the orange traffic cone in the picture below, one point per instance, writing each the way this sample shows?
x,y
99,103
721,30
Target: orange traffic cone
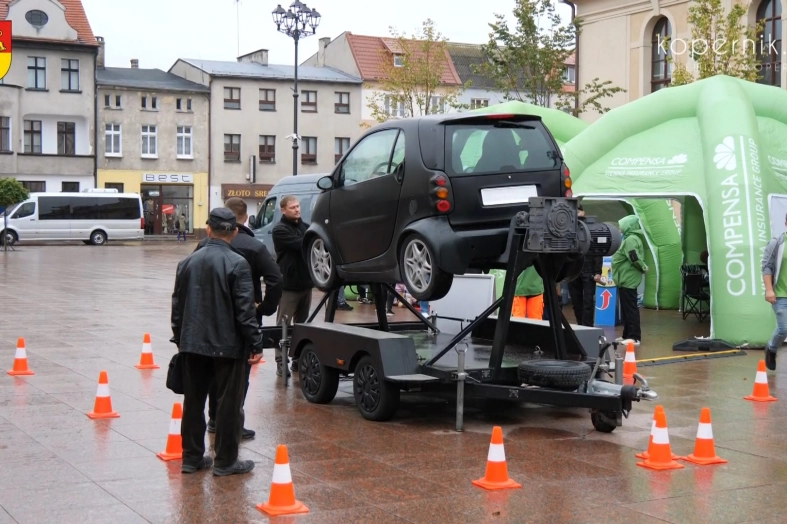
x,y
761,392
20,360
282,498
659,451
496,476
146,358
645,454
704,448
629,364
174,449
103,406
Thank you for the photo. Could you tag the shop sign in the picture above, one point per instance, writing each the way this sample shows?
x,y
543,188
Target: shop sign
x,y
167,178
256,191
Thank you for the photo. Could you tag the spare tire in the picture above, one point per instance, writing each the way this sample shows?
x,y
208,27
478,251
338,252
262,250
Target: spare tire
x,y
559,374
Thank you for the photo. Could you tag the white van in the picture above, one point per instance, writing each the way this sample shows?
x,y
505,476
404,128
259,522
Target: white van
x,y
92,217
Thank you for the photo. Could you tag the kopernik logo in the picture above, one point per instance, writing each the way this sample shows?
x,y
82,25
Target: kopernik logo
x,y
5,47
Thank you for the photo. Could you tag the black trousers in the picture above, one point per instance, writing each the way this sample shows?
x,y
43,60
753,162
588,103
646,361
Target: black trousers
x,y
630,313
198,373
212,394
582,291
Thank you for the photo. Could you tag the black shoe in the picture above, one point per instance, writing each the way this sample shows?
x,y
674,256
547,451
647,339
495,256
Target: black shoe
x,y
205,463
247,434
240,467
211,426
770,359
345,307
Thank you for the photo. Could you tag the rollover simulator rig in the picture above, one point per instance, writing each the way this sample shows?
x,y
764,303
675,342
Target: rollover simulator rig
x,y
493,356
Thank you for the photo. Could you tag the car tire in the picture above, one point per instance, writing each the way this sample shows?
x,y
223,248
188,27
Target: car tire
x,y
603,422
9,237
419,271
558,374
376,398
98,238
319,383
322,266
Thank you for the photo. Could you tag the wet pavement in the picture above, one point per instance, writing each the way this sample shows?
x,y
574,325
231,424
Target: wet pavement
x,y
84,309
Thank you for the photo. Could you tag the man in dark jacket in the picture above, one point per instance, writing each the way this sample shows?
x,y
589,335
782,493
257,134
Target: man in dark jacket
x,y
215,328
583,288
296,299
262,267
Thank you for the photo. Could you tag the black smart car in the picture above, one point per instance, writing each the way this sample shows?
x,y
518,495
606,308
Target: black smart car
x,y
420,200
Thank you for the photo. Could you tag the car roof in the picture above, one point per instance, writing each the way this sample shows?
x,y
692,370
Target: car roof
x,y
441,118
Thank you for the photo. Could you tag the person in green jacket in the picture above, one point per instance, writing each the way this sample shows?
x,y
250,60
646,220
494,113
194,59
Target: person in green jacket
x,y
628,266
529,295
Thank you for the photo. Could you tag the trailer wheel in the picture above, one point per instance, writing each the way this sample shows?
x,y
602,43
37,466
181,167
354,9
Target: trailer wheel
x,y
603,421
558,374
319,383
376,398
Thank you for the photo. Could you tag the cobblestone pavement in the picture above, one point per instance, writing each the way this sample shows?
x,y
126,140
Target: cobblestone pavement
x,y
84,309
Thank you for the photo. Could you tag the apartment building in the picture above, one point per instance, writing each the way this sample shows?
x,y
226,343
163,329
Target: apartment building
x,y
622,41
251,121
47,105
153,140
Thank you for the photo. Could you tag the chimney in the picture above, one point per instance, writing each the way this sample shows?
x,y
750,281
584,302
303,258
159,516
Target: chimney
x,y
321,51
257,57
100,56
135,63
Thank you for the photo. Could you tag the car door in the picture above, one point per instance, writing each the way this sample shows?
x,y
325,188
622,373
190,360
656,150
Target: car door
x,y
24,221
54,217
365,200
266,220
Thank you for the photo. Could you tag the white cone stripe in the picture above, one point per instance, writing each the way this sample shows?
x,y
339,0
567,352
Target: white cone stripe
x,y
653,428
496,453
660,436
281,474
762,377
20,353
704,431
103,390
146,348
630,357
174,426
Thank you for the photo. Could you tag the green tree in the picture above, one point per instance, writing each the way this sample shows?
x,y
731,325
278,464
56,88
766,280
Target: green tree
x,y
413,76
527,62
11,192
722,43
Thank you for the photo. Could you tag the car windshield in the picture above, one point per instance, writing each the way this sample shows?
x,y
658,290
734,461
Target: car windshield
x,y
499,147
9,210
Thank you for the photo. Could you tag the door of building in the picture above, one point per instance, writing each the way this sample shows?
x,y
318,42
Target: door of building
x,y
164,204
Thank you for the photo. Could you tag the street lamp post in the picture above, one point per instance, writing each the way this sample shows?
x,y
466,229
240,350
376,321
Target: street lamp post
x,y
299,21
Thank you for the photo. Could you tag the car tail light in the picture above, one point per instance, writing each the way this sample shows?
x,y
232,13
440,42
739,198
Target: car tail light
x,y
444,206
441,193
142,223
566,176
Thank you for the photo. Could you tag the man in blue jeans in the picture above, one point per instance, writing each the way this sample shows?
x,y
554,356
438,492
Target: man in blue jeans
x,y
775,279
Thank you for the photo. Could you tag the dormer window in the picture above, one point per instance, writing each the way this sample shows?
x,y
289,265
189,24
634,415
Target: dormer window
x,y
398,60
36,18
569,75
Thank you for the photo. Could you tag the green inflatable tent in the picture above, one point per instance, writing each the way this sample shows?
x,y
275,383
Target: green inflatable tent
x,y
720,142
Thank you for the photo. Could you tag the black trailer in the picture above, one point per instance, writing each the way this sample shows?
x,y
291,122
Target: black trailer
x,y
491,357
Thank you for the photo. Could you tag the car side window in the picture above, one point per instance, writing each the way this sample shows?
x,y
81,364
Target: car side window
x,y
268,211
398,153
369,158
25,210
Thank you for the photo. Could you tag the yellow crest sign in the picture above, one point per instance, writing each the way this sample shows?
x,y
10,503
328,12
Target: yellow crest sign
x,y
5,47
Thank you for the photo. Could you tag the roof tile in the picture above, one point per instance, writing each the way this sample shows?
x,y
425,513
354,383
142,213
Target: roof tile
x,y
75,16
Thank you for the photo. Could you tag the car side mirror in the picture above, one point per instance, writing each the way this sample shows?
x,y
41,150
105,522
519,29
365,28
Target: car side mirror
x,y
325,183
253,221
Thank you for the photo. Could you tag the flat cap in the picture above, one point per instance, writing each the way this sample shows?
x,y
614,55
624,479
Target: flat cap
x,y
223,219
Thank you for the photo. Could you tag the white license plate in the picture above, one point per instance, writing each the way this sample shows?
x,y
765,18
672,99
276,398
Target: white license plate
x,y
498,196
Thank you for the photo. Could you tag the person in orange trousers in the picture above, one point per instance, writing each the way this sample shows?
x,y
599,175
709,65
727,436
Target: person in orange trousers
x,y
529,295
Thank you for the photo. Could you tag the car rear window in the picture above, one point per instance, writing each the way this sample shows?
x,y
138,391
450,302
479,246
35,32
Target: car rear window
x,y
500,147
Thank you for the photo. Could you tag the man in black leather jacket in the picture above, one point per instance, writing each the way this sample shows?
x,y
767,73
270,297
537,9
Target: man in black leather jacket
x,y
262,267
215,327
582,289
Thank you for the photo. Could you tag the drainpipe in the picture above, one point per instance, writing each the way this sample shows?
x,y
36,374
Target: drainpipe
x,y
95,120
576,52
210,138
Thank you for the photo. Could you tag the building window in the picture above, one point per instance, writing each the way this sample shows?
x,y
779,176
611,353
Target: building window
x,y
394,108
660,74
231,98
340,146
188,104
267,100
476,103
112,140
144,102
153,103
267,149
309,102
117,101
437,104
36,72
34,187
114,185
342,104
232,148
569,75
183,104
69,187
309,147
108,102
36,18
69,74
149,142
184,140
770,47
398,60
66,138
5,134
32,136
179,104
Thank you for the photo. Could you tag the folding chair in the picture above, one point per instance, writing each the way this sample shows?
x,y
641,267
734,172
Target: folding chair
x,y
695,299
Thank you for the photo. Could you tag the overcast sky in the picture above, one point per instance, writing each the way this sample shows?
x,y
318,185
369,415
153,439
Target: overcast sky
x,y
158,32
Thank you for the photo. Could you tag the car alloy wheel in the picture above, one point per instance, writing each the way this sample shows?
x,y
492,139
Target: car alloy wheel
x,y
322,265
417,265
367,388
